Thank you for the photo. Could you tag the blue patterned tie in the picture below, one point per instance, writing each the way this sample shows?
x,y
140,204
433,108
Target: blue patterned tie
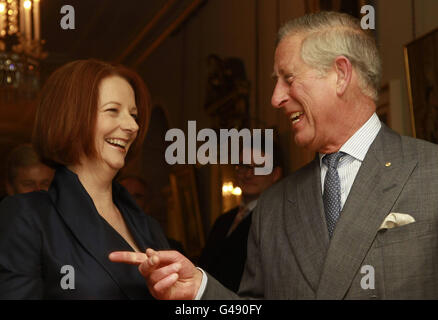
x,y
332,190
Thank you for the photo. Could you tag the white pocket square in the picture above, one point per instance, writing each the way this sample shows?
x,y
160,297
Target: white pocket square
x,y
395,219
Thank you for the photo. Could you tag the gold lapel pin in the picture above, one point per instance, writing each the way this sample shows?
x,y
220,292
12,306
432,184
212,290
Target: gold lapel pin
x,y
388,164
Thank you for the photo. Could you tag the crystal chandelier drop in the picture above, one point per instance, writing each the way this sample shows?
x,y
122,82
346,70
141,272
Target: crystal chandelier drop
x,y
20,46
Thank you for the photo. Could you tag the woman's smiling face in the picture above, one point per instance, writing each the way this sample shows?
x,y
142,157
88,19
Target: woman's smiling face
x,y
116,126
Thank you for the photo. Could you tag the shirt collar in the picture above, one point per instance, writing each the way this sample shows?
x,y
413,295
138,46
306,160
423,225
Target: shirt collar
x,y
359,143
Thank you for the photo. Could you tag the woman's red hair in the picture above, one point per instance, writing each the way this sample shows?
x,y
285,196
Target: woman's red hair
x,y
67,111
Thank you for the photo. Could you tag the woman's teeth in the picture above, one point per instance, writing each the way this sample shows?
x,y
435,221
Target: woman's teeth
x,y
117,142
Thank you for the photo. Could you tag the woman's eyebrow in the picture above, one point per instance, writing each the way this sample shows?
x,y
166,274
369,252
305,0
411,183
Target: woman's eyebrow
x,y
111,102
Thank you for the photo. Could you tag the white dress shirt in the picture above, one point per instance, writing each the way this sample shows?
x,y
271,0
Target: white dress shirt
x,y
355,150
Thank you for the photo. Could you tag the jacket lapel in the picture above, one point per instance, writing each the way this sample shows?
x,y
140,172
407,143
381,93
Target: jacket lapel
x,y
305,222
95,235
378,183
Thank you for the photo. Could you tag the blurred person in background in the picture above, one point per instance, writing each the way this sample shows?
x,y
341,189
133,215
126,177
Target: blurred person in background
x,y
24,171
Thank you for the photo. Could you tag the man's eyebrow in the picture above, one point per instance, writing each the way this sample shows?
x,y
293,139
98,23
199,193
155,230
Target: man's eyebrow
x,y
282,73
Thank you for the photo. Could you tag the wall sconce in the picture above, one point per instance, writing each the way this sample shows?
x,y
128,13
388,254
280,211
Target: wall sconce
x,y
231,196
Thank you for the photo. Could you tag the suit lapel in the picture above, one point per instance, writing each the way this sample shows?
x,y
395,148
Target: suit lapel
x,y
378,183
95,235
305,222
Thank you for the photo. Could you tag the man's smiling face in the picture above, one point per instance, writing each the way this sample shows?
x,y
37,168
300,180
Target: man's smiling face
x,y
308,99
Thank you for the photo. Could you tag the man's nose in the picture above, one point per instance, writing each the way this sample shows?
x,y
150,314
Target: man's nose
x,y
280,95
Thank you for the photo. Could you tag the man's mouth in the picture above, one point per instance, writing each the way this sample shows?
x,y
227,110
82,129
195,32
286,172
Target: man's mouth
x,y
295,117
117,143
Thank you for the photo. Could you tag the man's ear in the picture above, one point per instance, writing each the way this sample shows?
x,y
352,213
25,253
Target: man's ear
x,y
9,189
344,71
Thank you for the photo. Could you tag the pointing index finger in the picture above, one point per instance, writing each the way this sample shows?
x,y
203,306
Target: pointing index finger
x,y
128,257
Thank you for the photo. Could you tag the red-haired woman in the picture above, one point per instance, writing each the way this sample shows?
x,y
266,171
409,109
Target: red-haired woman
x,y
55,244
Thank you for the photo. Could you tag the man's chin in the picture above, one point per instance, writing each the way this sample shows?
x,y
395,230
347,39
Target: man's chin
x,y
302,143
305,142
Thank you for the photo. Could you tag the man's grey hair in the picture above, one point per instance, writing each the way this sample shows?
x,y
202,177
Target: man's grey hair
x,y
327,35
21,156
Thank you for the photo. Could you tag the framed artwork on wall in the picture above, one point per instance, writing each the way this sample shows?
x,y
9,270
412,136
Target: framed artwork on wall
x,y
421,63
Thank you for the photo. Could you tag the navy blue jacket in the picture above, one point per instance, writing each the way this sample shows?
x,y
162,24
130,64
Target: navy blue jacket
x,y
40,232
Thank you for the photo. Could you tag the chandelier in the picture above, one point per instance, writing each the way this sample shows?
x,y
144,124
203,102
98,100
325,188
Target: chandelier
x,y
20,46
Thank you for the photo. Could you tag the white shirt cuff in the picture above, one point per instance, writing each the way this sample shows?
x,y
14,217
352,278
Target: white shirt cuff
x,y
203,285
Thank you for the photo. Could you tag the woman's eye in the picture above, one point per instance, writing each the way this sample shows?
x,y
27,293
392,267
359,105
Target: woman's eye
x,y
134,115
112,110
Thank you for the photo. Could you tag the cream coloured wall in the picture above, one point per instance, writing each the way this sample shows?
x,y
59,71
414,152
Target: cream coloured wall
x,y
426,16
394,29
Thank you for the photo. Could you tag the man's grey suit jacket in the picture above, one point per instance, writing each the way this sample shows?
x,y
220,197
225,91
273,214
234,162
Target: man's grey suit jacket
x,y
289,252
